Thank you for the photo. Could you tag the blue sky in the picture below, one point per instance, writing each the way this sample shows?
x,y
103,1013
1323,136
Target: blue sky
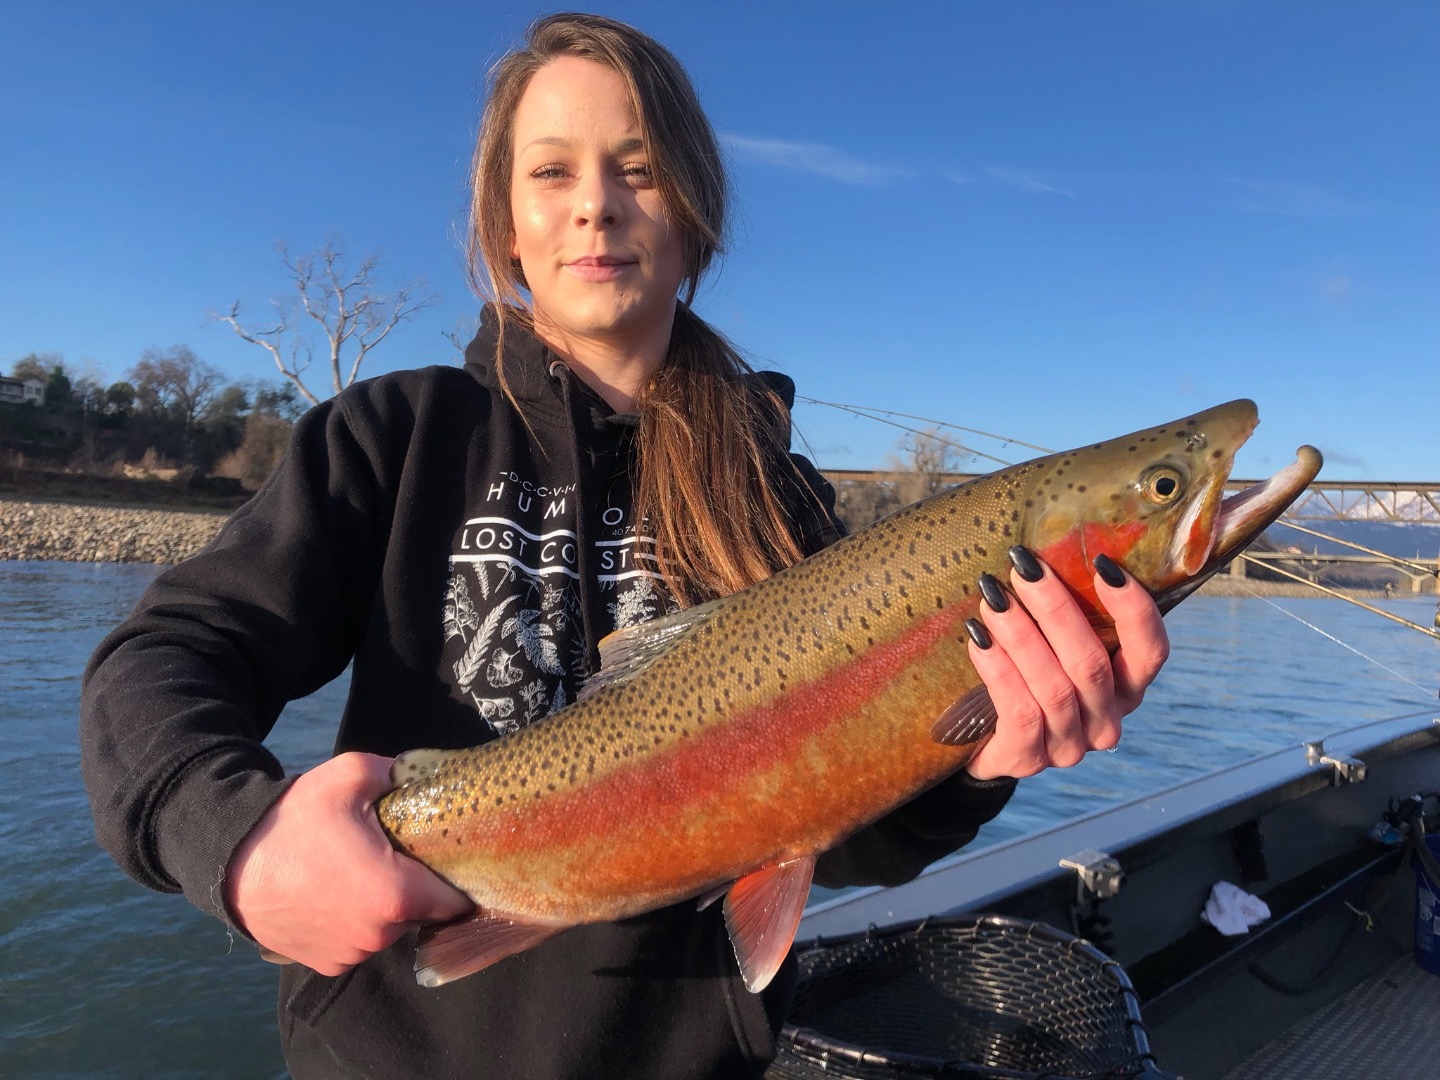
x,y
1053,220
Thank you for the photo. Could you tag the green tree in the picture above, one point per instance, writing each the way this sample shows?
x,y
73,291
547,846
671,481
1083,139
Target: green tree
x,y
59,396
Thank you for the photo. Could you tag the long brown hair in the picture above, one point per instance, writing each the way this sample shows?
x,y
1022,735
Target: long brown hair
x,y
709,441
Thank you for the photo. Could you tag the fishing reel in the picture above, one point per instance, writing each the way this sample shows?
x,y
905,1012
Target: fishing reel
x,y
1414,816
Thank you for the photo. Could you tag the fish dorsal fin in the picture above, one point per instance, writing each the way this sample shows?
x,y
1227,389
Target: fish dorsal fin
x,y
457,949
762,913
967,722
415,765
625,653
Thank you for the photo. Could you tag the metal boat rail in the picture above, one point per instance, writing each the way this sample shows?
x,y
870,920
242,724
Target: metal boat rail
x,y
1135,833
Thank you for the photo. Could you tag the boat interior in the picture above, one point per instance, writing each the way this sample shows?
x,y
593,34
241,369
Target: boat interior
x,y
1328,835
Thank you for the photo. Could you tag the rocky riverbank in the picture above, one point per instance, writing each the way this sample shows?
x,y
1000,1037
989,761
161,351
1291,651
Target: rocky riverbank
x,y
82,532
72,532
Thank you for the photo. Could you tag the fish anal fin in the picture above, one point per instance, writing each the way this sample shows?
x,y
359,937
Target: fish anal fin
x,y
415,765
762,913
968,721
457,949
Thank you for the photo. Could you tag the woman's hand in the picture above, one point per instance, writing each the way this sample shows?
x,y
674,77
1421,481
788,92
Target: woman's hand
x,y
1057,692
318,881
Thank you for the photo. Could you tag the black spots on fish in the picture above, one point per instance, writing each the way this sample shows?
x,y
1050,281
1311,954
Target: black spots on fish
x,y
1216,455
1005,531
906,574
1029,503
939,602
990,526
975,521
1081,488
927,568
912,547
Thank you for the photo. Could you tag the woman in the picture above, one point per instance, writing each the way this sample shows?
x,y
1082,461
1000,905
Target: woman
x,y
466,537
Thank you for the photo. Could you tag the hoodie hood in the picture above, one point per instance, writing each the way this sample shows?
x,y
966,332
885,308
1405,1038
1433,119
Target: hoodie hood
x,y
530,378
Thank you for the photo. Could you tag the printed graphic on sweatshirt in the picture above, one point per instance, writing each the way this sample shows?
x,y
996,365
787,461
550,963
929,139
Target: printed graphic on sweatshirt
x,y
513,609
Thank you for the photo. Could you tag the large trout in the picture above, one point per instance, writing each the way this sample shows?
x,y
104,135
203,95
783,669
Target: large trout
x,y
735,741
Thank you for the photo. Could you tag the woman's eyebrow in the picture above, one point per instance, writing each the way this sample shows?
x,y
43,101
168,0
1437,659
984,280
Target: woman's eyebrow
x,y
625,146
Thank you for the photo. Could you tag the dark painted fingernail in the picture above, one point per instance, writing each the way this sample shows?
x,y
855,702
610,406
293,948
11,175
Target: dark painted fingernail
x,y
1026,565
993,593
978,634
1109,571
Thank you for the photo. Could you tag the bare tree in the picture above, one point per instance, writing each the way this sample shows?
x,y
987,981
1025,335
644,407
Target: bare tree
x,y
346,305
175,380
932,460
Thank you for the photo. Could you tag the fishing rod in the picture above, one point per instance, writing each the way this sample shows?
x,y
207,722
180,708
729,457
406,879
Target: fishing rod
x,y
1427,631
1407,564
871,412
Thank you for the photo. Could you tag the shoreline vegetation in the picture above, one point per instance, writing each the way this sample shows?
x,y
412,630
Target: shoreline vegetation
x,y
84,530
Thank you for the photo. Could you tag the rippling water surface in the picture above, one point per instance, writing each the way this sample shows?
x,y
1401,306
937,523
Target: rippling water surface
x,y
99,977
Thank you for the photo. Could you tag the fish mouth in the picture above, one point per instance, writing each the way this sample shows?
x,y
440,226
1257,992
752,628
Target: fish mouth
x,y
1244,516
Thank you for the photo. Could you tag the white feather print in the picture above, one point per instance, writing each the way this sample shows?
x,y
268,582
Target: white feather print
x,y
468,666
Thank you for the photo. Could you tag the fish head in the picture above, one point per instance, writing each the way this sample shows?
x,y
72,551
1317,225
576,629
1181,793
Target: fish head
x,y
1154,502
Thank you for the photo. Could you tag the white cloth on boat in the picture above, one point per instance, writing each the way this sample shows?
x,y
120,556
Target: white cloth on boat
x,y
1232,910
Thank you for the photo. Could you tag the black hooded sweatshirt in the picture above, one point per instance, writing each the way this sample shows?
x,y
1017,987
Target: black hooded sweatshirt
x,y
467,559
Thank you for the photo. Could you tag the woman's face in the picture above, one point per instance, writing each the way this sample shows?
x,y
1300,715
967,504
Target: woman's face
x,y
590,230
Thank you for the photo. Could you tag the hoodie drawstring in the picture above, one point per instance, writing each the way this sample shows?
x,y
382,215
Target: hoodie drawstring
x,y
583,557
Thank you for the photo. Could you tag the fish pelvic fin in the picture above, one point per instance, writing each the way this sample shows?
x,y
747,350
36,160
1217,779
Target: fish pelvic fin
x,y
762,913
970,720
461,948
625,653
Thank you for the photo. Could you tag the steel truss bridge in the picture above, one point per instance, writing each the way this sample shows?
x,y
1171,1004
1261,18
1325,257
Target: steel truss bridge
x,y
1323,501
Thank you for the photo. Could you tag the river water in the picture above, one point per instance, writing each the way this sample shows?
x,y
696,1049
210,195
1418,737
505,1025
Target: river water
x,y
101,978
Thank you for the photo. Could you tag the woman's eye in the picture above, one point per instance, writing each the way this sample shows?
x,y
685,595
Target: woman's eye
x,y
637,170
548,172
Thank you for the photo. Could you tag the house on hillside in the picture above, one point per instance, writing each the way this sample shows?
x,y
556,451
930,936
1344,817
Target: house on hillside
x,y
21,391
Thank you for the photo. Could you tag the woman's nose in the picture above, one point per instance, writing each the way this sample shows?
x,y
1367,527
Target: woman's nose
x,y
596,203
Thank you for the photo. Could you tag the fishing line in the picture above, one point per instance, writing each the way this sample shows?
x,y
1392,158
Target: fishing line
x,y
1344,645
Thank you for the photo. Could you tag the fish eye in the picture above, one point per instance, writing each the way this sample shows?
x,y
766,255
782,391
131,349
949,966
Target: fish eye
x,y
1161,485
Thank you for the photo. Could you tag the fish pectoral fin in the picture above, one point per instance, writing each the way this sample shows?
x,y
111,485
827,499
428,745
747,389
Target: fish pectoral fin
x,y
454,950
762,913
968,721
415,765
625,653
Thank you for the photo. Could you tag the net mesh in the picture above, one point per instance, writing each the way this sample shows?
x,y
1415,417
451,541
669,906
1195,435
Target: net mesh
x,y
970,996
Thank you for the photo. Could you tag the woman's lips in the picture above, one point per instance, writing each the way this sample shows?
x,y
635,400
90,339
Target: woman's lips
x,y
599,268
